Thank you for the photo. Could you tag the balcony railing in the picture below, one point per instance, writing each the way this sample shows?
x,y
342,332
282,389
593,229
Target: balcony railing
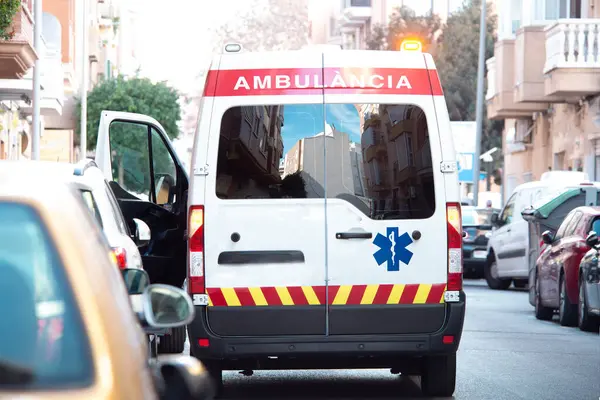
x,y
491,78
573,43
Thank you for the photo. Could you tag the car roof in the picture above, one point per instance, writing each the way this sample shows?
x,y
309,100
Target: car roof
x,y
555,183
52,170
593,211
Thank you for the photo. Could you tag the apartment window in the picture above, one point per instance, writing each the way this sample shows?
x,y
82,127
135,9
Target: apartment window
x,y
527,177
550,10
523,130
404,152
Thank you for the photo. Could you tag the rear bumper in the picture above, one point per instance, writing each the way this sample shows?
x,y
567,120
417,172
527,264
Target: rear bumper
x,y
320,351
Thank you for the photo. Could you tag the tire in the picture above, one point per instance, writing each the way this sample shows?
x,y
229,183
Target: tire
x,y
520,283
216,377
491,278
585,321
438,378
173,343
542,312
567,312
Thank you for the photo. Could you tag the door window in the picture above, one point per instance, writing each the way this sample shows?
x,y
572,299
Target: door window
x,y
596,226
116,209
142,163
375,156
130,158
507,214
90,202
570,229
560,233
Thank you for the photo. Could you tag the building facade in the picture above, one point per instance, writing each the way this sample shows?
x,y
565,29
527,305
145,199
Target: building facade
x,y
544,83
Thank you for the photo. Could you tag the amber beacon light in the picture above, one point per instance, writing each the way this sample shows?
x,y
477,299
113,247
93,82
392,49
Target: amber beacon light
x,y
411,45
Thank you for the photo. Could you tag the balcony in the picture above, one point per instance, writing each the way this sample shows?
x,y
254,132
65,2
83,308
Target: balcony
x,y
501,85
17,54
572,67
355,13
529,65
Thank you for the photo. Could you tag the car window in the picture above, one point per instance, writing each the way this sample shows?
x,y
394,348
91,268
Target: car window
x,y
595,226
570,229
377,157
116,209
507,214
560,233
91,204
164,170
42,330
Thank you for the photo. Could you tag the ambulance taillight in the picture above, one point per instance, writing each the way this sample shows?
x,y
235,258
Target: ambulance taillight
x,y
455,267
196,251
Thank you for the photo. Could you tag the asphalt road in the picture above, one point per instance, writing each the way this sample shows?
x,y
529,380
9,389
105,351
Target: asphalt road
x,y
505,353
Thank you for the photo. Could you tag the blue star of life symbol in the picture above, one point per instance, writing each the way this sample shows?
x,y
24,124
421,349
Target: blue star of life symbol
x,y
392,249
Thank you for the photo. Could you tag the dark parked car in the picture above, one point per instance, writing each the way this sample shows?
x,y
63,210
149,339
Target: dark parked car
x,y
477,227
560,283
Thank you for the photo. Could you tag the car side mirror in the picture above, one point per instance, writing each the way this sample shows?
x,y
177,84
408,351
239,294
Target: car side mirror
x,y
136,280
592,239
495,217
166,306
182,377
142,234
547,237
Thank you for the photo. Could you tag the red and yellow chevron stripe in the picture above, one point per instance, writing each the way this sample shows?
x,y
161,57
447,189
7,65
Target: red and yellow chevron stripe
x,y
338,295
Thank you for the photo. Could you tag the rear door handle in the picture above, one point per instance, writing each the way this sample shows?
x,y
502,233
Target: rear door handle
x,y
353,235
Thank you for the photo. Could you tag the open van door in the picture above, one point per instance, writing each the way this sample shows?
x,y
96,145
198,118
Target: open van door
x,y
148,180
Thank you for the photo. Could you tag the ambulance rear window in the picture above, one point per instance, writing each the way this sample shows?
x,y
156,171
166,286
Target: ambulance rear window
x,y
375,156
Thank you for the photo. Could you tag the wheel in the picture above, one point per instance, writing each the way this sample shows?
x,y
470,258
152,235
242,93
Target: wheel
x,y
520,283
438,378
585,321
541,312
490,272
173,343
216,376
567,312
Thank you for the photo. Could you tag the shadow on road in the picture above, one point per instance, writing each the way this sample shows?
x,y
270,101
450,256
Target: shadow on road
x,y
338,386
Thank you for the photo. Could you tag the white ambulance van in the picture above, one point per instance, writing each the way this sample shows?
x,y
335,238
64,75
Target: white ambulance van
x,y
323,213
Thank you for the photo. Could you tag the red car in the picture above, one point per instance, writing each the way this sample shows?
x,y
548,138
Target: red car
x,y
557,267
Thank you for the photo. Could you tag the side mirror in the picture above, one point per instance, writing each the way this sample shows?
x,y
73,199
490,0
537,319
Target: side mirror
x,y
547,237
592,239
136,280
182,377
166,306
495,217
142,232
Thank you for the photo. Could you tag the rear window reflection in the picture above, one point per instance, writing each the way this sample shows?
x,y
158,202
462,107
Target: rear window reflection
x,y
376,157
43,343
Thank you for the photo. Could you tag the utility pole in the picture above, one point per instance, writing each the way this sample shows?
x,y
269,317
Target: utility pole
x,y
479,108
84,80
37,88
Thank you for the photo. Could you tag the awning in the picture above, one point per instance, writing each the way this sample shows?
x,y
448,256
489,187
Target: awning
x,y
543,208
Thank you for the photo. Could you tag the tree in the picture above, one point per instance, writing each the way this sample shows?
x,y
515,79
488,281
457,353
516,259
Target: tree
x,y
457,62
129,142
405,24
8,9
270,25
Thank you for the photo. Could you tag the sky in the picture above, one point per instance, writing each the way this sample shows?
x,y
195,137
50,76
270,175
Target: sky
x,y
174,37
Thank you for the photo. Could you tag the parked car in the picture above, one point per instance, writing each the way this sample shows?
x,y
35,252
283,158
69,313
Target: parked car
x,y
558,277
477,228
100,200
588,315
509,246
68,330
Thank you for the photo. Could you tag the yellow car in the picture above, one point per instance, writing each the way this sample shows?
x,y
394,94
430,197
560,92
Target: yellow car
x,y
67,327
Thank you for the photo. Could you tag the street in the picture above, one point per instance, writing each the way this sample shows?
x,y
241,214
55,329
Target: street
x,y
505,353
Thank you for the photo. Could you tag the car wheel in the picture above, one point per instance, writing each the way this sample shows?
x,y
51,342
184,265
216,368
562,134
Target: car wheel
x,y
174,342
492,278
520,283
216,377
567,312
585,321
438,378
541,312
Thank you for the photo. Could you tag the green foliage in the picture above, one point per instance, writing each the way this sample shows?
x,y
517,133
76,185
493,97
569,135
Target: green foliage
x,y
129,142
8,9
457,63
405,24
